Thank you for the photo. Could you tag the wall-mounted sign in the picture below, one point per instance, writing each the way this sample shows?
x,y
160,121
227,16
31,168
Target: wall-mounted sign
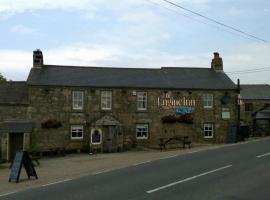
x,y
225,113
184,110
169,102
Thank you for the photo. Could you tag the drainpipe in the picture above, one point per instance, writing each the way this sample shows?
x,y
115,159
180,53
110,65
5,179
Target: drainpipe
x,y
238,109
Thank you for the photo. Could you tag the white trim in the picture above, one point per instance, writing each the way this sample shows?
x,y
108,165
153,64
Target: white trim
x,y
212,131
141,95
75,106
92,132
108,97
76,138
205,98
147,131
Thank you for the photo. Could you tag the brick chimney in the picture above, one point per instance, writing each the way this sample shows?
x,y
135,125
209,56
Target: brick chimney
x,y
37,58
217,63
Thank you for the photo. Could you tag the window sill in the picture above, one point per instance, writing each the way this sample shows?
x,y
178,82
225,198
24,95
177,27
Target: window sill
x,y
76,139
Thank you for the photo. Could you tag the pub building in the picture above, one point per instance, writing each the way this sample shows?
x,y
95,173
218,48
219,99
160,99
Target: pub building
x,y
109,109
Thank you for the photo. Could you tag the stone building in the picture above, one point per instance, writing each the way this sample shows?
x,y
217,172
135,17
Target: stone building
x,y
110,109
255,106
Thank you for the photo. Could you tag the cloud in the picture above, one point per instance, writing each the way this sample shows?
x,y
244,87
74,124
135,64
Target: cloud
x,y
16,64
19,28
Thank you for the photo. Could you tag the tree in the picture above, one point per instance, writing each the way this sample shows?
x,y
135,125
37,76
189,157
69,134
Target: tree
x,y
2,78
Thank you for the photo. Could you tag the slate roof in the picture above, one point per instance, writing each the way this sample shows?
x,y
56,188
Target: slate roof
x,y
264,114
14,92
255,91
16,127
165,78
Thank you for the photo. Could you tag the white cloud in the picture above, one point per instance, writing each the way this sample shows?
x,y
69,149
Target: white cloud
x,y
16,64
19,28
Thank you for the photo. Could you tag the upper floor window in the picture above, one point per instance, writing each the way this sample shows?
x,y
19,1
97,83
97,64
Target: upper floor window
x,y
248,107
106,100
77,100
76,131
142,131
208,130
207,100
142,100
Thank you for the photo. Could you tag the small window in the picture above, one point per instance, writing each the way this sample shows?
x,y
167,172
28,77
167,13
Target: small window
x,y
77,100
208,130
106,100
142,131
248,107
207,100
76,132
142,100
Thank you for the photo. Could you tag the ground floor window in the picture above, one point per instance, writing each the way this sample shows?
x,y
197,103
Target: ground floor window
x,y
208,130
76,131
142,131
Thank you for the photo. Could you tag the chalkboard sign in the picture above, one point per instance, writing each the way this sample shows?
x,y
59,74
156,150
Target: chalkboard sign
x,y
16,166
21,159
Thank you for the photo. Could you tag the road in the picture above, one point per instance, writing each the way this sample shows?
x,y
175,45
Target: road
x,y
235,172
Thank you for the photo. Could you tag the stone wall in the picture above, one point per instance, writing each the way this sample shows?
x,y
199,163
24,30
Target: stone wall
x,y
13,112
56,103
246,116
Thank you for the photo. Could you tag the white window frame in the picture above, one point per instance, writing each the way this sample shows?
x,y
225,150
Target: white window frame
x,y
76,129
77,100
141,100
92,132
106,100
139,130
208,100
208,130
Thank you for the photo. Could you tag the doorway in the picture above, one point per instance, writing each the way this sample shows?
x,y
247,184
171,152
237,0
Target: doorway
x,y
15,144
109,139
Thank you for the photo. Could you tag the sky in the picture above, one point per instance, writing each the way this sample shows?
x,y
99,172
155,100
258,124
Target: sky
x,y
136,33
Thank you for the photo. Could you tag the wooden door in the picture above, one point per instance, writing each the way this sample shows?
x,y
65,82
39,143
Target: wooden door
x,y
15,144
109,139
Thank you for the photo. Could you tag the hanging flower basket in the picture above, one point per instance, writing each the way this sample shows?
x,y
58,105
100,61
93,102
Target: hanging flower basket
x,y
169,119
186,118
50,123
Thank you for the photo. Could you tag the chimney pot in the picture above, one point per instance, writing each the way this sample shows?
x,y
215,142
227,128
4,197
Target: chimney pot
x,y
37,58
217,63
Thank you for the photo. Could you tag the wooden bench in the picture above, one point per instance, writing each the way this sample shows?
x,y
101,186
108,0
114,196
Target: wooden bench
x,y
184,140
35,160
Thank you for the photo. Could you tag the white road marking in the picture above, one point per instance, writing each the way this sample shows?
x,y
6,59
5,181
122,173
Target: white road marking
x,y
171,156
266,154
56,182
101,171
6,194
193,151
141,163
187,179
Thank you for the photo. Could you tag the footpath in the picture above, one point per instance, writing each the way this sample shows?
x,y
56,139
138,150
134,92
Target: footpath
x,y
59,169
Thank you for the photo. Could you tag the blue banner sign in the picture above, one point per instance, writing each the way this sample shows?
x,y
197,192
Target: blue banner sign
x,y
184,110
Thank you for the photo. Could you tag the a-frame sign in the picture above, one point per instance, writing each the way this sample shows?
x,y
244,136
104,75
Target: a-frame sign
x,y
22,159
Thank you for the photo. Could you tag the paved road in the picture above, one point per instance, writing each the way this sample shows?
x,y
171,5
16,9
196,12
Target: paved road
x,y
234,172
